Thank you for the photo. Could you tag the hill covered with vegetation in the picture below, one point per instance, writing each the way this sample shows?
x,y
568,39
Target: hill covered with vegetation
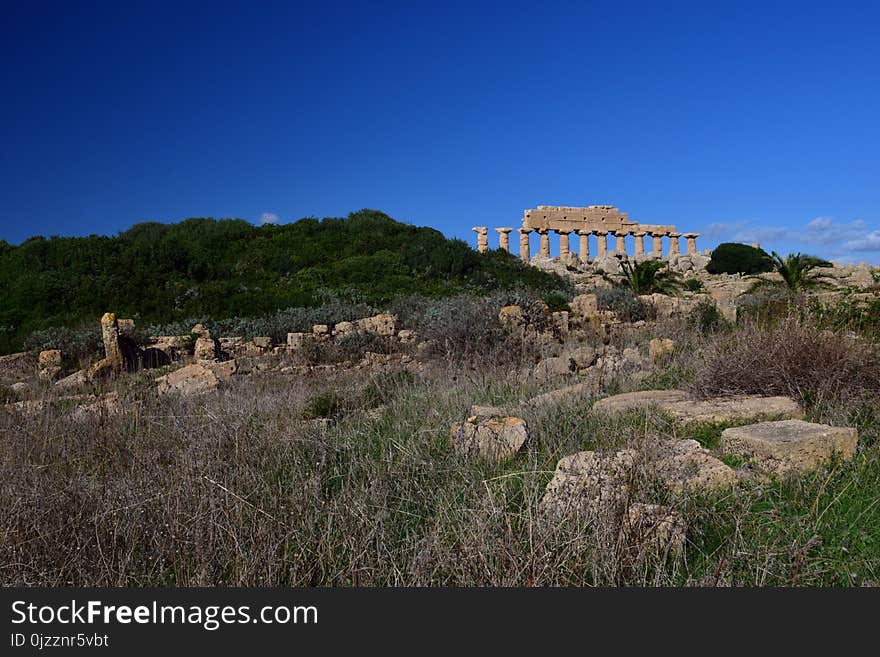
x,y
159,273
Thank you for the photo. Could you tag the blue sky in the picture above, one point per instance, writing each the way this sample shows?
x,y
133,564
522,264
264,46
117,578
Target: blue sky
x,y
742,121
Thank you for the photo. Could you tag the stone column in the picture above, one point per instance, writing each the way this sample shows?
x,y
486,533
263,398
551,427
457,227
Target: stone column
x,y
584,245
504,238
524,249
691,242
545,242
640,242
674,244
110,337
657,249
601,244
621,242
482,238
563,243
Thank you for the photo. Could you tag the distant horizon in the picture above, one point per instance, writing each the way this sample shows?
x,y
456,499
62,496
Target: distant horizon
x,y
744,122
471,239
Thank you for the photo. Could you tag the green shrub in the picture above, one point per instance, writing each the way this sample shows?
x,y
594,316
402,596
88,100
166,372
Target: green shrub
x,y
706,318
767,303
733,258
849,314
650,277
557,301
694,285
323,405
77,343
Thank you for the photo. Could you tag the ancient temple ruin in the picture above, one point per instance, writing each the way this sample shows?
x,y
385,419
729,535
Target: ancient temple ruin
x,y
609,227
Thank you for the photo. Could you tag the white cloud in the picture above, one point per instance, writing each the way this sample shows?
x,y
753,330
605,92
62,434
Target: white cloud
x,y
868,242
826,227
762,234
268,218
820,231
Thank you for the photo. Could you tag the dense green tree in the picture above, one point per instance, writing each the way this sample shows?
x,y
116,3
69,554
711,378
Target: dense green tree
x,y
734,258
159,273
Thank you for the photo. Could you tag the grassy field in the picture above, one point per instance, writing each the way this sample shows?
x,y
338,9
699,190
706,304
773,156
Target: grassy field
x,y
250,486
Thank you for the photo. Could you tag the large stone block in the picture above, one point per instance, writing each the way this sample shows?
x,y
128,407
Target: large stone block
x,y
193,379
296,341
684,466
630,401
590,483
205,349
512,316
383,324
788,445
683,408
263,342
569,394
554,367
492,437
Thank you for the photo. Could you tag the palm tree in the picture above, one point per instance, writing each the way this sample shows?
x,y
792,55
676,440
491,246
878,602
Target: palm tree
x,y
650,276
798,271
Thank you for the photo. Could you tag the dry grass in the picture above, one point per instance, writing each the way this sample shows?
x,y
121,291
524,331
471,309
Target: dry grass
x,y
237,488
791,357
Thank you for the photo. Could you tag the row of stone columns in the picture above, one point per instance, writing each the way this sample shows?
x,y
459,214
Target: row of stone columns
x,y
602,241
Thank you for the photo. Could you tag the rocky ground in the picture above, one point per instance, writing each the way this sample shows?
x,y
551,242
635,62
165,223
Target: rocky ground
x,y
582,448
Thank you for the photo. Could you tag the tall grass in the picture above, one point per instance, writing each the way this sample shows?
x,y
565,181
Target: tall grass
x,y
349,479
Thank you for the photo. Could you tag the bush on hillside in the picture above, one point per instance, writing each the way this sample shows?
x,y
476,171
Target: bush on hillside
x,y
733,258
229,269
706,318
624,303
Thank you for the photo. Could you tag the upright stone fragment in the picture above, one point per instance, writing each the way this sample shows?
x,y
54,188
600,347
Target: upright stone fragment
x,y
482,238
788,445
504,238
524,248
110,337
49,364
205,347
